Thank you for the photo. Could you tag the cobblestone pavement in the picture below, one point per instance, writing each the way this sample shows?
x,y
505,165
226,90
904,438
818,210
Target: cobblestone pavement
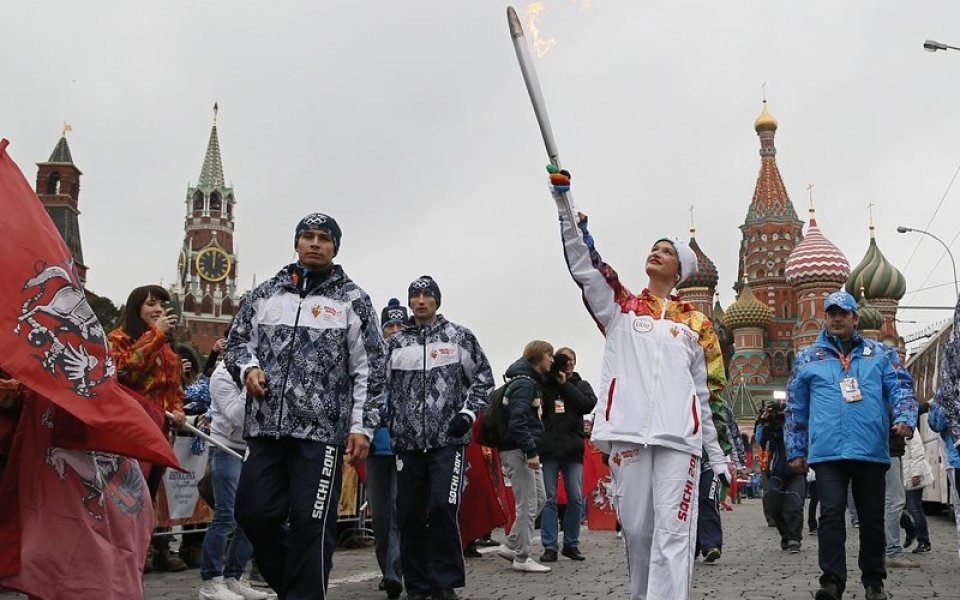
x,y
752,566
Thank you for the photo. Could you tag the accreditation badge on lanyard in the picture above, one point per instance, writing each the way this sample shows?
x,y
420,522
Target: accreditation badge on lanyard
x,y
849,386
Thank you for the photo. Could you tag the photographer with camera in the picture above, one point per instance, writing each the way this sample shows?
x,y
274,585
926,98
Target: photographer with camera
x,y
566,399
786,488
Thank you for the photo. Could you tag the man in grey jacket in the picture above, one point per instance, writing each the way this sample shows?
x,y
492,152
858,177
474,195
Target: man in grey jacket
x,y
307,347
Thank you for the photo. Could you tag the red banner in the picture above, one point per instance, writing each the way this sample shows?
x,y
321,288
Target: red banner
x,y
50,338
485,505
73,525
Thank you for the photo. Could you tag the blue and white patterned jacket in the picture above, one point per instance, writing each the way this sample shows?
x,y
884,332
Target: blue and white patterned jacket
x,y
948,384
822,426
433,373
320,346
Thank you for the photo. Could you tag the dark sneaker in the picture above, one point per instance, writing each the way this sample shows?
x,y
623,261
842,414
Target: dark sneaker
x,y
793,546
908,541
549,555
472,552
711,556
921,548
393,588
487,543
445,594
874,592
166,561
572,553
783,544
828,591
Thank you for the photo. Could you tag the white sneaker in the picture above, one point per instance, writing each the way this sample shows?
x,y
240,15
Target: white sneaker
x,y
240,587
216,589
506,553
529,565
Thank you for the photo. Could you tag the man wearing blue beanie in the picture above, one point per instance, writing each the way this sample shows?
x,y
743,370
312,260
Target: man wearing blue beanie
x,y
438,379
307,347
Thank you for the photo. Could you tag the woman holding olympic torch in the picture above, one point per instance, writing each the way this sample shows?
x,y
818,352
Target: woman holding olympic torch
x,y
659,402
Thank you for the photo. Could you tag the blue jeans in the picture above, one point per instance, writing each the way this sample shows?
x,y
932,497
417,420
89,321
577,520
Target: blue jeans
x,y
915,506
217,544
895,500
382,495
573,484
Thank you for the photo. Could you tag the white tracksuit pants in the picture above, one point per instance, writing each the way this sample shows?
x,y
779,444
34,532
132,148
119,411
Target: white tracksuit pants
x,y
655,496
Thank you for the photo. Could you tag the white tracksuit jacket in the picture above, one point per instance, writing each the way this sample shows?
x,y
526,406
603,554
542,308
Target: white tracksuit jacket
x,y
662,371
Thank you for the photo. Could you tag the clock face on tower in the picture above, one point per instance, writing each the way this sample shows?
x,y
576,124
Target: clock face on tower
x,y
213,264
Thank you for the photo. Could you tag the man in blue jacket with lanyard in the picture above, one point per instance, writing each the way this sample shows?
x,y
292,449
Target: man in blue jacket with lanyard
x,y
843,397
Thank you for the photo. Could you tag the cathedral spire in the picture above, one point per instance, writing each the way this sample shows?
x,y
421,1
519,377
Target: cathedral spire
x,y
770,200
211,175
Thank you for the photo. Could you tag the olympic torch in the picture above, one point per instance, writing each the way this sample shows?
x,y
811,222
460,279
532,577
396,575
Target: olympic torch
x,y
532,82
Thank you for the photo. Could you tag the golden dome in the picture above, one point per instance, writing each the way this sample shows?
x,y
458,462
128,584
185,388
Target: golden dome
x,y
747,311
765,122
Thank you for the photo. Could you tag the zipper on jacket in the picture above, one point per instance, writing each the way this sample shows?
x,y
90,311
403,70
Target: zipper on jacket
x,y
423,386
286,372
613,385
696,417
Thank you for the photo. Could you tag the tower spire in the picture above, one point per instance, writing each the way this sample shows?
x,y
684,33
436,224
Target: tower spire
x,y
693,225
873,227
211,175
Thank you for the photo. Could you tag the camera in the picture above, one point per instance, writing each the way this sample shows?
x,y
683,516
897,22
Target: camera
x,y
560,362
772,413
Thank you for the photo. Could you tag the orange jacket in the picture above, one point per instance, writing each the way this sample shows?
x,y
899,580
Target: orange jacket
x,y
148,366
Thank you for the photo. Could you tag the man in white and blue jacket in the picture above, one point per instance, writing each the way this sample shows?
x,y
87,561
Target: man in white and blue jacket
x,y
438,379
844,396
308,350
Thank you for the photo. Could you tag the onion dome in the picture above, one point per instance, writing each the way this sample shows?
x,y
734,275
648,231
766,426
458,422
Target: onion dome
x,y
875,274
747,311
816,259
870,318
706,275
765,122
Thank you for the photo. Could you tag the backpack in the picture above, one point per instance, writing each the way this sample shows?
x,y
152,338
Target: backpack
x,y
493,423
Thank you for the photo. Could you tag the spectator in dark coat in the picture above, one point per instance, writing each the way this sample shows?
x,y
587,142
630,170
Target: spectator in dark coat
x,y
566,399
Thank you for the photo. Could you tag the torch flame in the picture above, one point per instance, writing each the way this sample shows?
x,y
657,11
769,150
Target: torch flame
x,y
532,17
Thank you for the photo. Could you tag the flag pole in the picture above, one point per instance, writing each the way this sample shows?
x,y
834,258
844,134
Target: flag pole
x,y
206,437
532,83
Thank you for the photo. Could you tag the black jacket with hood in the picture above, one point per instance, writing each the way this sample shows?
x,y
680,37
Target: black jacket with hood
x,y
524,428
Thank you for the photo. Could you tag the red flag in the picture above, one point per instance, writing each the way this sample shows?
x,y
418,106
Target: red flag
x,y
50,338
485,505
73,525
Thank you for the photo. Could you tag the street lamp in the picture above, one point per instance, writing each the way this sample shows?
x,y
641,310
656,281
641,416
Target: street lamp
x,y
932,46
956,286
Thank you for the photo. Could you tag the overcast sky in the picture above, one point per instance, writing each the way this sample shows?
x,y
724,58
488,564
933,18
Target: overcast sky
x,y
409,123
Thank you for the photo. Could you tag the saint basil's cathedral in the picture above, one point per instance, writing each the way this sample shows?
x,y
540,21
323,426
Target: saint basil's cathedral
x,y
784,277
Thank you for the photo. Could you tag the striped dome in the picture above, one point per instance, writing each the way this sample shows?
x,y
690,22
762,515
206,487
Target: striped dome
x,y
870,318
706,275
879,278
747,311
816,259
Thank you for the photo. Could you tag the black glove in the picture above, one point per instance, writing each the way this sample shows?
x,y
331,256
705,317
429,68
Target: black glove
x,y
724,480
460,425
